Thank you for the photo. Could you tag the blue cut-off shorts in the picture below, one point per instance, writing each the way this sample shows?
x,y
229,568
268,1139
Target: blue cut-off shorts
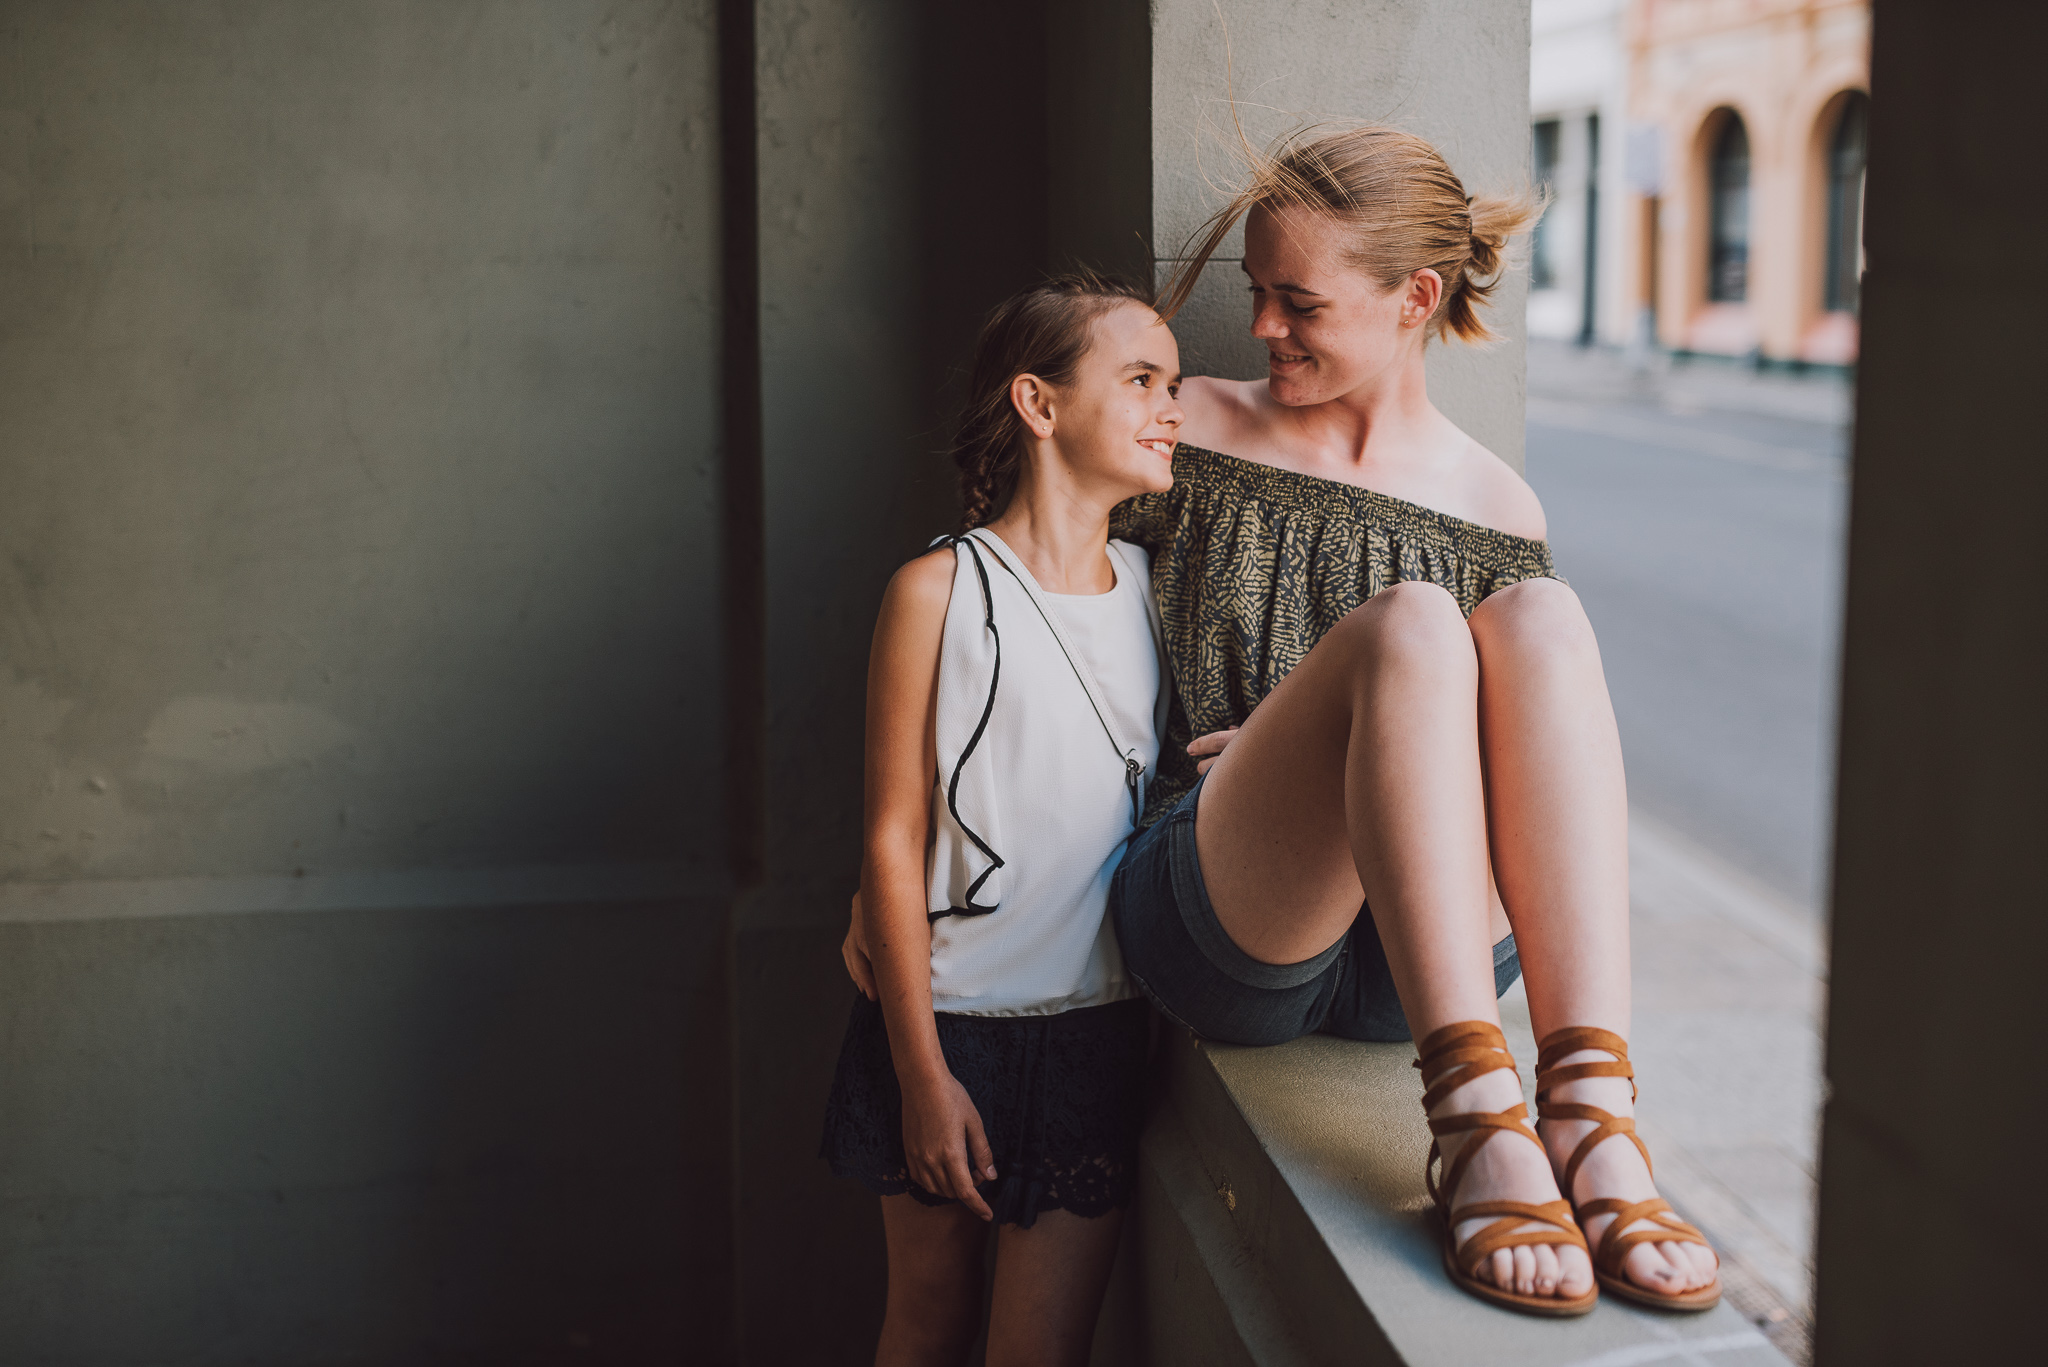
x,y
1180,956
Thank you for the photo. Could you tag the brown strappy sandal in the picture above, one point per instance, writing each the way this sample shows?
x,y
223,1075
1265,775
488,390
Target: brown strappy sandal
x,y
1614,1246
1452,1057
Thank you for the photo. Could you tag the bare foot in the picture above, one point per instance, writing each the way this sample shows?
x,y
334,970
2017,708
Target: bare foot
x,y
1507,1169
1614,1168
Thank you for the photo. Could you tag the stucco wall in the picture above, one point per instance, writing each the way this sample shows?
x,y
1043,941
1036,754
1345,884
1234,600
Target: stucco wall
x,y
356,378
357,434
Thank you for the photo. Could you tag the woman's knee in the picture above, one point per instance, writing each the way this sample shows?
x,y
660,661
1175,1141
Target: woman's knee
x,y
1536,616
1412,619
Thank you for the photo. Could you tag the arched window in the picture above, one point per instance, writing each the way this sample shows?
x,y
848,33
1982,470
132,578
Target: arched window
x,y
1845,202
1728,214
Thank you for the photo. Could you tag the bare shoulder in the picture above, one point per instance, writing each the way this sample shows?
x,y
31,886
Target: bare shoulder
x,y
1218,411
912,622
1499,498
923,588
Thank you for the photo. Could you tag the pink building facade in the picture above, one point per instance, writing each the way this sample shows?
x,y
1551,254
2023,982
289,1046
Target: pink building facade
x,y
1742,235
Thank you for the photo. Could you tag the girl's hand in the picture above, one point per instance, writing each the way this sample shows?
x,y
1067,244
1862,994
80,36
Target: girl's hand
x,y
1212,746
942,1137
855,951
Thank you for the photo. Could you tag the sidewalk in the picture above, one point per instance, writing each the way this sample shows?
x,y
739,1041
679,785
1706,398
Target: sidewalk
x,y
1599,375
1729,1003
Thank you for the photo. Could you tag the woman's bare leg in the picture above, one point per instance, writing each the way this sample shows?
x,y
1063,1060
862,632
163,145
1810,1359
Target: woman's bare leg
x,y
935,1280
1049,1284
1557,815
1359,777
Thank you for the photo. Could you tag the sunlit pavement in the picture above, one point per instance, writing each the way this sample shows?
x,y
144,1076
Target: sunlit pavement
x,y
1698,510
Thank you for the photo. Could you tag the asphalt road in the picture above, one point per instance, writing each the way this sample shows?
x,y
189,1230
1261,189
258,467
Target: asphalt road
x,y
1702,525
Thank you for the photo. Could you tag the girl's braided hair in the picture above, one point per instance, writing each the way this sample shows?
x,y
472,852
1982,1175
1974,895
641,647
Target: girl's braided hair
x,y
1042,331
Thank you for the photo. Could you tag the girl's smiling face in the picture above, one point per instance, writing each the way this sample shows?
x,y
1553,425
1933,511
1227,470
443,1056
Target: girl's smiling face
x,y
1116,424
1328,326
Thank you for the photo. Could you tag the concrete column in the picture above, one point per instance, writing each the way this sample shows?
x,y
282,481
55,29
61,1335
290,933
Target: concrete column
x,y
359,877
1930,1172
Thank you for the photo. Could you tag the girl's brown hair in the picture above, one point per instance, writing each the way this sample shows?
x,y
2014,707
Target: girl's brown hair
x,y
1042,331
1406,208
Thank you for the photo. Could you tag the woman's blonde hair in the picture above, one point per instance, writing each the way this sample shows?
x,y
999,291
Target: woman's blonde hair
x,y
1406,209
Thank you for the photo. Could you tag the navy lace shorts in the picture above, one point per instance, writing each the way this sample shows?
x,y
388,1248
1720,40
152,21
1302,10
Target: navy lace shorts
x,y
1179,954
1062,1099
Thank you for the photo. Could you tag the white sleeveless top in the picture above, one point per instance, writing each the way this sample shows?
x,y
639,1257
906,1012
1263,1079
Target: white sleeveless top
x,y
1032,806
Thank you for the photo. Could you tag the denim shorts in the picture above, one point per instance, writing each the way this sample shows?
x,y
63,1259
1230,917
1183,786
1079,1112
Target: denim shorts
x,y
1179,955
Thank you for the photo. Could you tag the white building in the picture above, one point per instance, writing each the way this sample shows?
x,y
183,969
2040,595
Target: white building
x,y
1578,98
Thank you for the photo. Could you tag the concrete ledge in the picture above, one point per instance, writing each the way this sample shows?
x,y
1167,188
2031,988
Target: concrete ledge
x,y
1283,1220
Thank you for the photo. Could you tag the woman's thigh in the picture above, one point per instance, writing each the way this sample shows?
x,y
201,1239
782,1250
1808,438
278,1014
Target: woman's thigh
x,y
1391,690
1048,1292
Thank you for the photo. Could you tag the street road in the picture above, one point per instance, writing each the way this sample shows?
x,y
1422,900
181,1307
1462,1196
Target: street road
x,y
1706,544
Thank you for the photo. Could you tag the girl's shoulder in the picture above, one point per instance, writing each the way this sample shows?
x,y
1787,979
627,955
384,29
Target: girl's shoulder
x,y
922,588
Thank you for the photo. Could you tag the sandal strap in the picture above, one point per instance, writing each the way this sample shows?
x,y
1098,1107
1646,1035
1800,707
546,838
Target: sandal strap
x,y
1560,1044
1573,1038
1550,1073
1666,1228
1459,1052
1493,1122
1449,1058
1606,1126
1508,1231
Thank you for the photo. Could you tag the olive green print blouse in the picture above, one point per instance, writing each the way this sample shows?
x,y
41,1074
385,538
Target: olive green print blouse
x,y
1253,564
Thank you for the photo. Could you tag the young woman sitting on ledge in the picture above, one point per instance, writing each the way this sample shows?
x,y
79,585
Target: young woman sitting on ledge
x,y
1391,779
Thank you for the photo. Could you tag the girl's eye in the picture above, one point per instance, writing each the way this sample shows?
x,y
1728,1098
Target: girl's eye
x,y
1173,391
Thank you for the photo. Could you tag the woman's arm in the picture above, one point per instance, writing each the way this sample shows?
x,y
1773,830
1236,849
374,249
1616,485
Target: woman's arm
x,y
943,1142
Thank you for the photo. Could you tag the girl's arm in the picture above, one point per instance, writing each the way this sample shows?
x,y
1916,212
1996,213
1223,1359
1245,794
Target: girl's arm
x,y
943,1143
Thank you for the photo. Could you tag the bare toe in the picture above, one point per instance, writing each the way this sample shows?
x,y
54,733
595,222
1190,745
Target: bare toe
x,y
1502,1268
1574,1273
1525,1270
1648,1268
1682,1270
1546,1269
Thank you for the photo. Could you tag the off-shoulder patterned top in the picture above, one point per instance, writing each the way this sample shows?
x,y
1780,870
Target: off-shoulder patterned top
x,y
1253,564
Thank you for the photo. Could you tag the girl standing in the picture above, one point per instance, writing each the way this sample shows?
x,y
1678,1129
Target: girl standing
x,y
1013,720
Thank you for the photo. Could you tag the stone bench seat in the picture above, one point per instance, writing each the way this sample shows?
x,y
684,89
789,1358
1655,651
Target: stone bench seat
x,y
1283,1220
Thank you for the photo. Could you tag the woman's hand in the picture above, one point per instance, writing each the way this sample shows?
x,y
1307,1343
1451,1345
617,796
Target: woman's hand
x,y
943,1143
1211,746
855,951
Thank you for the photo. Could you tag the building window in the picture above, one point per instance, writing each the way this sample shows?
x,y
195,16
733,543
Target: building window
x,y
1542,262
1591,266
1845,202
1728,215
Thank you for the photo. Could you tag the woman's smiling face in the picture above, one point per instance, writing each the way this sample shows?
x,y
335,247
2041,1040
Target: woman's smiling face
x,y
1328,326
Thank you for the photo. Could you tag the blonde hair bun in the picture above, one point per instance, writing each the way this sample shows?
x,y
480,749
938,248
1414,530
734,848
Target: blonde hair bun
x,y
1406,208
